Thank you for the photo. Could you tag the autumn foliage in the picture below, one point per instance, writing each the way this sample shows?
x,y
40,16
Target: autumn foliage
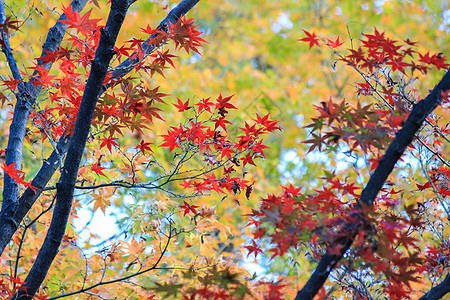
x,y
93,131
386,236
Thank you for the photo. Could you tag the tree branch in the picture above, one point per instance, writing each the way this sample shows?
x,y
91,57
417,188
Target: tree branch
x,y
403,138
11,218
26,96
66,184
140,272
6,47
10,222
438,291
149,45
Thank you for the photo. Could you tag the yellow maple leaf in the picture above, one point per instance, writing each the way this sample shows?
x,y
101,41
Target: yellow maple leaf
x,y
135,248
101,201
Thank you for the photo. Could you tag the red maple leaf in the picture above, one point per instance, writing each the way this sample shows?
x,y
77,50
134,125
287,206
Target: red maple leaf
x,y
254,222
205,104
200,186
9,24
182,106
248,159
41,76
15,174
185,35
163,58
150,111
49,57
316,142
98,170
251,130
189,208
172,139
310,38
258,147
397,64
157,35
148,30
334,44
223,104
144,146
186,184
227,171
11,83
356,55
226,151
122,51
16,280
292,190
222,123
152,94
270,126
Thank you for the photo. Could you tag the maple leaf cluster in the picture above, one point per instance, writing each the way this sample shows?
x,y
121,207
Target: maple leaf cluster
x,y
440,180
294,215
128,105
383,51
11,286
209,138
115,111
185,35
134,107
218,282
387,239
83,24
370,127
360,127
315,221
